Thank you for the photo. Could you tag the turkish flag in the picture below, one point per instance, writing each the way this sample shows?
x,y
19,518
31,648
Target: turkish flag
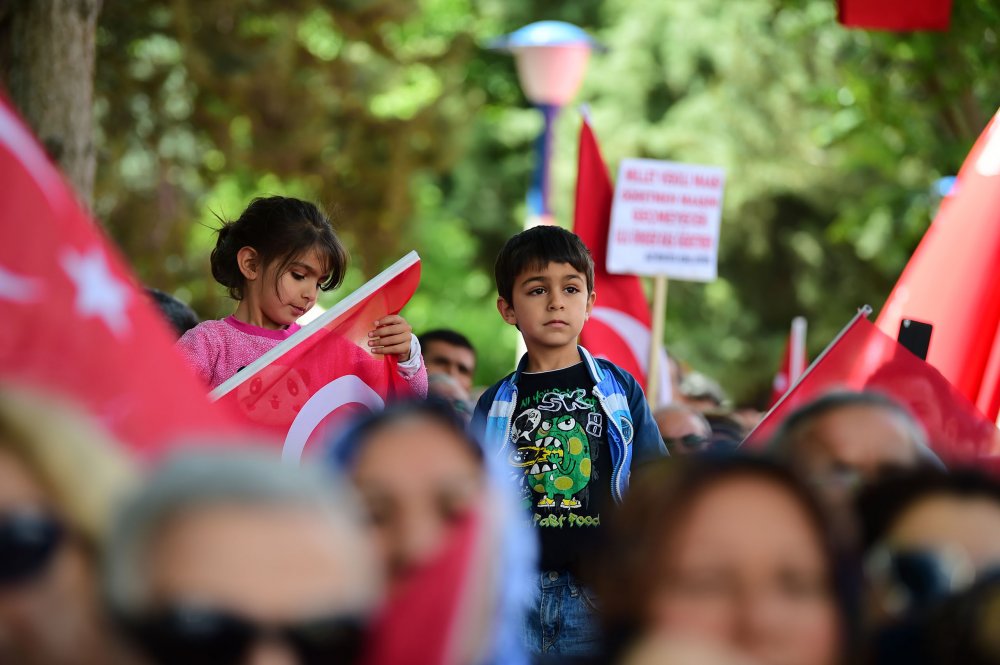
x,y
325,371
74,320
619,327
895,15
793,361
953,279
862,357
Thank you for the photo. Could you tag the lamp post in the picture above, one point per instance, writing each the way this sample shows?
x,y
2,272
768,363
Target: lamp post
x,y
551,58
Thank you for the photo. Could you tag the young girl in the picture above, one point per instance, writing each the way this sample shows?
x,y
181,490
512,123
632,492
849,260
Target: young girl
x,y
274,259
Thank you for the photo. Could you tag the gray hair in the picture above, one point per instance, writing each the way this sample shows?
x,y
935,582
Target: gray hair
x,y
193,480
678,407
791,431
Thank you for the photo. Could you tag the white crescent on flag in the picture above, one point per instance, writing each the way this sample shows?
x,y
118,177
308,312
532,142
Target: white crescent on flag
x,y
634,333
340,392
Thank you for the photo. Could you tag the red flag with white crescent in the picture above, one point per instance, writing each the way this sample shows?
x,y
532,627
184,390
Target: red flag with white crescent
x,y
619,328
75,322
324,372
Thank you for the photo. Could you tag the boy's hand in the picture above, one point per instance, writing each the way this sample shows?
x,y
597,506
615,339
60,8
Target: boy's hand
x,y
391,336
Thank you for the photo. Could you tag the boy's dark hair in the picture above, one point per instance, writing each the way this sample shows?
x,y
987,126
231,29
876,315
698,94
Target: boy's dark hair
x,y
181,317
536,248
452,337
280,229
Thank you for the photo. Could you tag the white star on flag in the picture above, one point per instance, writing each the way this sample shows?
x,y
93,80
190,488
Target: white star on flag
x,y
18,288
98,292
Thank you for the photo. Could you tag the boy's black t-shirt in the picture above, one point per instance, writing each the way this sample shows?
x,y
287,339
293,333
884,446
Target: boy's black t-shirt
x,y
561,461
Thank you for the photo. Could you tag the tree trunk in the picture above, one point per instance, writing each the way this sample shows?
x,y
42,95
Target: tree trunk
x,y
47,50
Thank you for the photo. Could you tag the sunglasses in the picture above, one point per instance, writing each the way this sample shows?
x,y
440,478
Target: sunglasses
x,y
918,577
205,636
687,442
28,542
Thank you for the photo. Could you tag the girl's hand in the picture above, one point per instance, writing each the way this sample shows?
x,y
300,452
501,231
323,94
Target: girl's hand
x,y
391,336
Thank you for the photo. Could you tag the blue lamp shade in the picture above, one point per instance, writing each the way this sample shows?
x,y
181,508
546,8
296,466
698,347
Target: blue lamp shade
x,y
551,59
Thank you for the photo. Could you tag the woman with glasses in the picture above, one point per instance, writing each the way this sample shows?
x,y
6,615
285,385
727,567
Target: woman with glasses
x,y
59,478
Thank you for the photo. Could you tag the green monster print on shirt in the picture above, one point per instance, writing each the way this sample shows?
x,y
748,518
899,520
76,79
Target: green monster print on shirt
x,y
562,463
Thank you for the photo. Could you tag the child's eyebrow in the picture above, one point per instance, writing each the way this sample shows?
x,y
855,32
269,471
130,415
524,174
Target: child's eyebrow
x,y
536,278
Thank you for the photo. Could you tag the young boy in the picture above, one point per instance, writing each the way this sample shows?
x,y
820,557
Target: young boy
x,y
569,425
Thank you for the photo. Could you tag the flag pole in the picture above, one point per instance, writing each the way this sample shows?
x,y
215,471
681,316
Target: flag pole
x,y
656,339
863,312
798,349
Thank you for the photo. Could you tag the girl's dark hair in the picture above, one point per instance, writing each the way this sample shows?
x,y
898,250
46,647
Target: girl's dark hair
x,y
660,498
280,229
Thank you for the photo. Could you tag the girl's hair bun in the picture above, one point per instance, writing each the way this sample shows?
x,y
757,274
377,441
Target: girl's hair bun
x,y
225,268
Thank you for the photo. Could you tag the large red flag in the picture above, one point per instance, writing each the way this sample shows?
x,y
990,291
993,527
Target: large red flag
x,y
862,357
74,321
895,15
619,327
953,280
324,371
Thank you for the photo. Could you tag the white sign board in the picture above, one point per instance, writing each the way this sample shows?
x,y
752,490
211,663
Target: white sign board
x,y
665,220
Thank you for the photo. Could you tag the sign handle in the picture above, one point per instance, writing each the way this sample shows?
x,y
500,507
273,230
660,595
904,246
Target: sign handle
x,y
656,339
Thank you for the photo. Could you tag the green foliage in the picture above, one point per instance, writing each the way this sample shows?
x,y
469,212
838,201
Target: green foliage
x,y
414,136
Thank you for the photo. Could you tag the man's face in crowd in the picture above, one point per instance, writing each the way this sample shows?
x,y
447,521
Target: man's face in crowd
x,y
455,361
683,431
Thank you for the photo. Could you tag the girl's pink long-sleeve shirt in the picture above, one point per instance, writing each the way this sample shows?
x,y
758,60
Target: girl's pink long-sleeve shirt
x,y
218,349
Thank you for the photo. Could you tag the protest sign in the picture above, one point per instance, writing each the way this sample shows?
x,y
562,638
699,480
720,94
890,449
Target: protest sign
x,y
665,220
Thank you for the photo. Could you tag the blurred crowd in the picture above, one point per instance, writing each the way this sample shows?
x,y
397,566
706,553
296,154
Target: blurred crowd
x,y
844,541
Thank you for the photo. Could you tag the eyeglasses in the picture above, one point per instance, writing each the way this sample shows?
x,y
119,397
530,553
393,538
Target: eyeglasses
x,y
28,542
687,442
205,636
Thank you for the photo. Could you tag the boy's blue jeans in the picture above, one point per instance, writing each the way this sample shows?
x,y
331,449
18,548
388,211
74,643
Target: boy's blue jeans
x,y
563,619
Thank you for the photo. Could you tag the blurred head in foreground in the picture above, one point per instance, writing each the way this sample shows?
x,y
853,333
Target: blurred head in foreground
x,y
233,558
59,478
928,535
844,440
418,473
444,518
731,552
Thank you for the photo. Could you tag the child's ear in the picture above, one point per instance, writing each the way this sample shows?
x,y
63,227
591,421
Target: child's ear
x,y
246,258
506,311
591,299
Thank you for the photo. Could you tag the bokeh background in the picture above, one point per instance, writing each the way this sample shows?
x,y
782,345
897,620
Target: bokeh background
x,y
396,117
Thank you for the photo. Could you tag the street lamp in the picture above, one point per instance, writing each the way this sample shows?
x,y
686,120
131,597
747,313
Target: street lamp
x,y
551,58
